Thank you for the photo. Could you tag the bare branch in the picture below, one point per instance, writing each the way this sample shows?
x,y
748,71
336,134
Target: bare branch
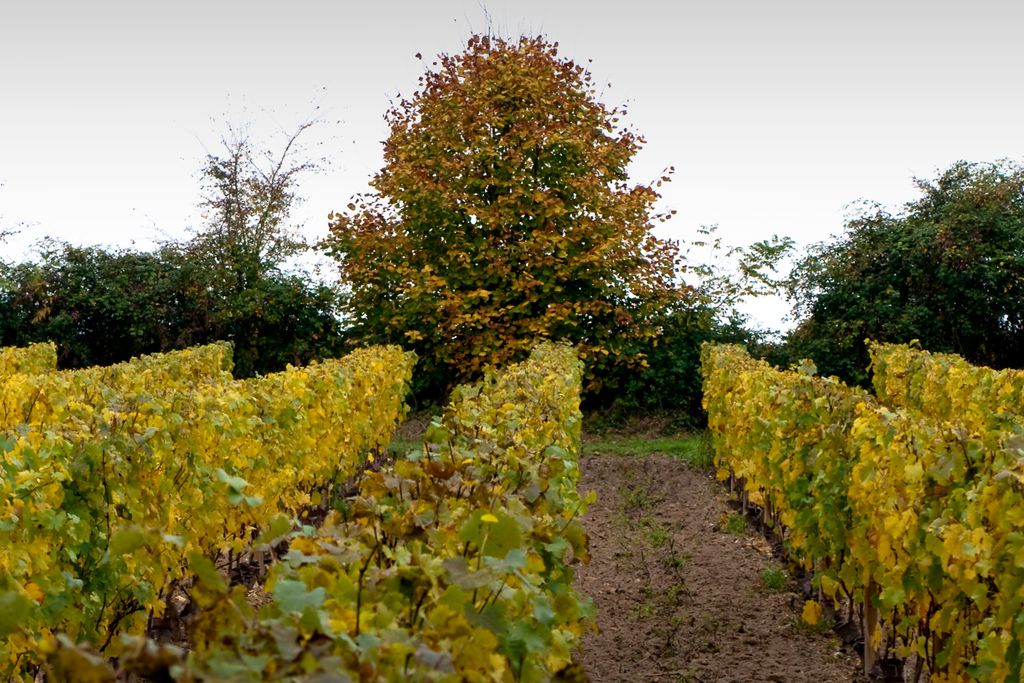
x,y
248,194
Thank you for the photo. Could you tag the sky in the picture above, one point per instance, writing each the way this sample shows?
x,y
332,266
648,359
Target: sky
x,y
778,116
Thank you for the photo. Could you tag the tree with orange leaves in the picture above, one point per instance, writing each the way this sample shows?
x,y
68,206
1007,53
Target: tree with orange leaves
x,y
504,215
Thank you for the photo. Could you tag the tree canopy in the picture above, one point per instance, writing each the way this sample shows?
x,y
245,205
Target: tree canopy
x,y
227,282
248,192
102,307
503,215
948,270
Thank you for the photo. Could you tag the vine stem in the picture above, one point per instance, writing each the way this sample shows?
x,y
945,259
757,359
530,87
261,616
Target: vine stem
x,y
359,592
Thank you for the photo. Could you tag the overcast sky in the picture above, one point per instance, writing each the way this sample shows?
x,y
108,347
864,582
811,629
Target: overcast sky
x,y
776,115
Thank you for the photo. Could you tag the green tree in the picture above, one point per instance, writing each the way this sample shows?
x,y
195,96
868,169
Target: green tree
x,y
228,282
722,277
248,193
504,215
101,307
249,189
947,270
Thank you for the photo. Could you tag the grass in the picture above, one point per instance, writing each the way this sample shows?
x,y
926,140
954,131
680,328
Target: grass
x,y
657,535
735,525
677,561
636,498
693,449
773,578
673,593
647,606
824,625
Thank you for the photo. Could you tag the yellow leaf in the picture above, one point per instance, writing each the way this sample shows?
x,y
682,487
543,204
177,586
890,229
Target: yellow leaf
x,y
812,612
913,472
829,586
489,518
34,591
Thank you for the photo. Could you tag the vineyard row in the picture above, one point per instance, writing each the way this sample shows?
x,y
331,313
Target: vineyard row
x,y
909,505
113,477
127,488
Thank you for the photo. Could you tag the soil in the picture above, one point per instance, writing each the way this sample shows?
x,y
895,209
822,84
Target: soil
x,y
676,579
415,425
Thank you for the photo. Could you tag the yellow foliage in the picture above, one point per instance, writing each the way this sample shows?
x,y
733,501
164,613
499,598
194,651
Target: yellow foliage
x,y
111,477
918,497
30,360
811,613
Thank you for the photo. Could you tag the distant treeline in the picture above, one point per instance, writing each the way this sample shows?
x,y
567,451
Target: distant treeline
x,y
948,270
102,307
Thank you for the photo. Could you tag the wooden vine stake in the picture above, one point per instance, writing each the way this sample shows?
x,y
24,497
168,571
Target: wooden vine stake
x,y
872,636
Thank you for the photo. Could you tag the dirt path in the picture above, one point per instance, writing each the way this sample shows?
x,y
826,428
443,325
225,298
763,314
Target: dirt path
x,y
682,589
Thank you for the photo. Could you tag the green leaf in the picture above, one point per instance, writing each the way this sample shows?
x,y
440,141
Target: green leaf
x,y
891,596
280,526
15,608
295,596
460,575
236,484
492,617
128,540
542,610
496,538
207,573
176,541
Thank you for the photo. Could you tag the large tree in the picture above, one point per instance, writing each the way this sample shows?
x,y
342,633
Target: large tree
x,y
503,215
947,270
